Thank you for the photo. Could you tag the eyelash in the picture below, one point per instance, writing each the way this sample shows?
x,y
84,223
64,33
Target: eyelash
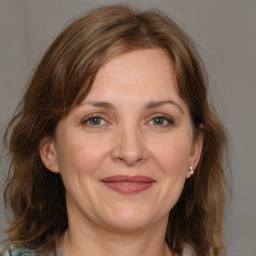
x,y
169,120
91,117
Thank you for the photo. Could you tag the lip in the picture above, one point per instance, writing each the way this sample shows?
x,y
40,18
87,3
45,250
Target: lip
x,y
128,184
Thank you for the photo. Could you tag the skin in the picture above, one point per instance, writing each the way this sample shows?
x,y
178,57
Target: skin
x,y
143,128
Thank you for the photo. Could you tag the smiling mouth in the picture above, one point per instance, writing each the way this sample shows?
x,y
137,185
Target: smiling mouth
x,y
128,184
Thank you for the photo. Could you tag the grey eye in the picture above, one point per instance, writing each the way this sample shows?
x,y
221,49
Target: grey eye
x,y
159,120
94,121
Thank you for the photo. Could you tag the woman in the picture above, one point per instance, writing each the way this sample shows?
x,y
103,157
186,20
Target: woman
x,y
114,148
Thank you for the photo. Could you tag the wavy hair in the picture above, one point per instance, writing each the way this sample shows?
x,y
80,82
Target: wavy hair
x,y
63,78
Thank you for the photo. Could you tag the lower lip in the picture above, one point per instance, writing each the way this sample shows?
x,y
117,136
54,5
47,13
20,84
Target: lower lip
x,y
128,187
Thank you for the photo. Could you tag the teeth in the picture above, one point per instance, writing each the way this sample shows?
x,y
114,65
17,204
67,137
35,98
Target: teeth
x,y
128,183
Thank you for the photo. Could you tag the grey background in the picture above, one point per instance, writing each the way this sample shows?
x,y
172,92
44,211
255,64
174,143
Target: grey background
x,y
225,32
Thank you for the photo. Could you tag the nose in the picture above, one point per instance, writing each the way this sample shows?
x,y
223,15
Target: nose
x,y
130,147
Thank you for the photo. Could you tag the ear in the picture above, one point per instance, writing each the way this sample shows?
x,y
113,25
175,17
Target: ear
x,y
48,154
196,150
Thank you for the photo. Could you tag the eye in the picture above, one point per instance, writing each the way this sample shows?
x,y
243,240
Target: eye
x,y
161,121
94,121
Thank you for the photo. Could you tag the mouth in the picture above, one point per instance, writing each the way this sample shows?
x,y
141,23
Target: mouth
x,y
128,184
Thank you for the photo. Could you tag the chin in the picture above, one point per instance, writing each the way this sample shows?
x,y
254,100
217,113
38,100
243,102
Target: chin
x,y
130,219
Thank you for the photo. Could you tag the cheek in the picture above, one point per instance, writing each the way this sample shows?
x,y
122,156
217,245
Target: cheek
x,y
171,158
80,156
173,155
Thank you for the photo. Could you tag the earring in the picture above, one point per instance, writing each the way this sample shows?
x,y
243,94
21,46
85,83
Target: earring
x,y
191,170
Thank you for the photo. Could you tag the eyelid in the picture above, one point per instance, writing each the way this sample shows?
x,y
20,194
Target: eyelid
x,y
94,115
103,116
169,119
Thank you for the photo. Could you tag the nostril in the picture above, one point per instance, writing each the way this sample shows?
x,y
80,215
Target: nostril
x,y
129,158
129,147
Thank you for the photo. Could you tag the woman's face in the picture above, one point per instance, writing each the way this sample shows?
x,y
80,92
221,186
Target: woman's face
x,y
124,153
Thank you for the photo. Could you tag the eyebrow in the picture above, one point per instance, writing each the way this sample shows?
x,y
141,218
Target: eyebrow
x,y
99,104
155,104
150,105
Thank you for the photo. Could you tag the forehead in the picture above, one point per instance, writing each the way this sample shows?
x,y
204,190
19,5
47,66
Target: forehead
x,y
143,73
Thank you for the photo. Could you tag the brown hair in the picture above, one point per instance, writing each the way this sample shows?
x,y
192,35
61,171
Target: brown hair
x,y
63,78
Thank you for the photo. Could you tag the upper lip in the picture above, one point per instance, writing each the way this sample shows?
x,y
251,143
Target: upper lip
x,y
126,178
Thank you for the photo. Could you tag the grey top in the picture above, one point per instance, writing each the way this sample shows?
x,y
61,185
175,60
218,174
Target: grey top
x,y
20,250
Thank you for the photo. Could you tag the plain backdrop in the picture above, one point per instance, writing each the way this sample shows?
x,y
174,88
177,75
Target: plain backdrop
x,y
225,32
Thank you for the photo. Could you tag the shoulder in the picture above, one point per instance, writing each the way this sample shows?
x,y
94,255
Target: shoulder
x,y
16,250
187,251
19,250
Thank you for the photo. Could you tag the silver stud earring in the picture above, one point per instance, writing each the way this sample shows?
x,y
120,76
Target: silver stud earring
x,y
191,170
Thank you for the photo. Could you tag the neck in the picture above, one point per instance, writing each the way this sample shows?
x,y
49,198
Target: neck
x,y
90,239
